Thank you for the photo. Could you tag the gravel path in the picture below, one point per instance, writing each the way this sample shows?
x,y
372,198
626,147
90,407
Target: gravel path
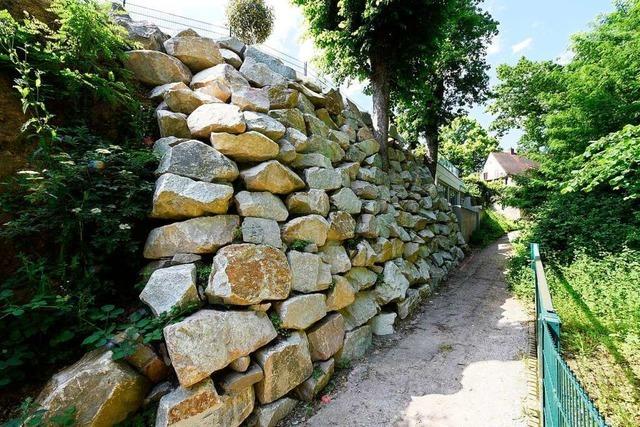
x,y
459,362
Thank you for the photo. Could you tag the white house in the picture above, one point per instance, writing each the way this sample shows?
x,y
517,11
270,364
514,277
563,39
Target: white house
x,y
504,166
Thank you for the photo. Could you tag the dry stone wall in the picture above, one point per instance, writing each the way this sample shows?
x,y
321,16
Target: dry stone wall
x,y
313,246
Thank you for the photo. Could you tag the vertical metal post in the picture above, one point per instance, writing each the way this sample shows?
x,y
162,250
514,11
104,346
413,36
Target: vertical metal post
x,y
230,34
305,68
124,3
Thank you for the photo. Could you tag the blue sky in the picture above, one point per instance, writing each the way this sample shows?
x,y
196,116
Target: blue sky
x,y
537,29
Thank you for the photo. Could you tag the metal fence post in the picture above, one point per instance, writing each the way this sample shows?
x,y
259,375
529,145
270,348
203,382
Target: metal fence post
x,y
305,68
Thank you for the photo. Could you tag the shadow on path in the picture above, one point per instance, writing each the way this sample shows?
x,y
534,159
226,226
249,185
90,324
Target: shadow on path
x,y
458,362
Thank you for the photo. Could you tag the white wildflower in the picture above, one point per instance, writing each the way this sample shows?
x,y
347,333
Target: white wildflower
x,y
96,211
76,210
124,227
103,151
68,162
26,172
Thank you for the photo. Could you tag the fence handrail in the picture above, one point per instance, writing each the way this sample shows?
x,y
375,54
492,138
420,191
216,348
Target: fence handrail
x,y
563,399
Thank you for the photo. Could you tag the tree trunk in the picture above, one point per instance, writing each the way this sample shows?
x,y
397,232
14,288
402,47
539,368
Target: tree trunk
x,y
431,132
432,155
380,91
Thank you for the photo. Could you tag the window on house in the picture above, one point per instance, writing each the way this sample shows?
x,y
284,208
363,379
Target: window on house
x,y
485,176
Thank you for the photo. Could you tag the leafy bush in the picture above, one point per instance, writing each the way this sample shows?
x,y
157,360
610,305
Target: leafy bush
x,y
250,20
75,216
492,227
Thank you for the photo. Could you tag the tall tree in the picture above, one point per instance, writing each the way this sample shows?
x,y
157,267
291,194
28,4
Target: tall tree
x,y
466,144
386,42
443,83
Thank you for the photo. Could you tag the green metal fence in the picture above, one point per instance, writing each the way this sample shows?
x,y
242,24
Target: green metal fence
x,y
564,402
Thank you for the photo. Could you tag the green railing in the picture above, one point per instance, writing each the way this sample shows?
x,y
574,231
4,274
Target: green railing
x,y
564,402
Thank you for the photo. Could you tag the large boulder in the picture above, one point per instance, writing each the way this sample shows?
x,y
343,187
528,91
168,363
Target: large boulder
x,y
322,178
274,64
172,124
261,204
306,269
195,52
171,287
322,373
326,337
156,68
222,78
145,33
308,202
361,310
261,231
286,364
194,159
272,176
356,344
342,226
185,100
341,294
247,147
259,74
102,391
246,274
201,405
336,256
310,228
301,311
209,340
250,99
271,414
264,124
347,201
178,197
215,118
290,117
393,285
195,236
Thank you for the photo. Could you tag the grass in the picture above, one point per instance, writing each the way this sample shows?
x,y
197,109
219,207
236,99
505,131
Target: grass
x,y
492,226
598,301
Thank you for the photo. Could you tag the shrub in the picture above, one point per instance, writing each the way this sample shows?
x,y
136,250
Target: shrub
x,y
76,216
492,227
250,20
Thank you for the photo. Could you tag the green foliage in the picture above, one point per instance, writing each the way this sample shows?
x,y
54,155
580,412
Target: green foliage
x,y
486,192
276,321
76,215
466,144
141,327
613,160
250,20
410,51
203,272
317,373
299,245
30,415
492,226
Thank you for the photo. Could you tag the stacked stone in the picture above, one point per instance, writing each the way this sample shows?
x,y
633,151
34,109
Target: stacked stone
x,y
313,246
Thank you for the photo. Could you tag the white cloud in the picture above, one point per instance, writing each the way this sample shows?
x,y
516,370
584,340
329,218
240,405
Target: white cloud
x,y
496,45
523,45
565,57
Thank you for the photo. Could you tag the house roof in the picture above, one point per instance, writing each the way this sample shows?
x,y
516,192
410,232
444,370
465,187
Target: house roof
x,y
514,164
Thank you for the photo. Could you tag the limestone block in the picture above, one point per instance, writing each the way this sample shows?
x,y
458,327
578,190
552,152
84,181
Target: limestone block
x,y
156,68
361,310
209,340
171,287
322,178
260,122
393,285
382,324
177,197
196,160
234,382
341,295
260,74
261,205
286,364
305,270
326,337
261,231
250,99
346,200
102,390
311,228
336,256
272,176
215,118
313,201
271,414
172,124
356,344
301,311
195,52
247,147
246,274
197,236
322,373
342,226
185,100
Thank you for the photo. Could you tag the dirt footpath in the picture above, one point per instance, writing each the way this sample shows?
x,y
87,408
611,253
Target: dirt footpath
x,y
459,362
